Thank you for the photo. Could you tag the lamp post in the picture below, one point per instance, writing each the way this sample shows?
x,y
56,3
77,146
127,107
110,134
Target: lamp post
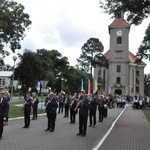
x,y
14,59
62,80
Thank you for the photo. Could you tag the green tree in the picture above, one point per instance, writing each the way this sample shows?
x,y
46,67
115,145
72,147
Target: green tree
x,y
13,24
38,66
28,70
144,48
147,84
136,10
92,55
6,67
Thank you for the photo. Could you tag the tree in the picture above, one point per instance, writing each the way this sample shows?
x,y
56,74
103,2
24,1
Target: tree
x,y
13,24
28,70
144,48
92,55
39,66
147,84
136,10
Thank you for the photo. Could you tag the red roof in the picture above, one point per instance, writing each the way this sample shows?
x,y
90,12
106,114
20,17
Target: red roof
x,y
132,57
119,22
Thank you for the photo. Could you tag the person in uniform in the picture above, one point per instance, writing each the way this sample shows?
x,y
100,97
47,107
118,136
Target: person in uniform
x,y
101,108
3,111
35,102
7,97
51,108
61,103
93,107
67,104
27,110
83,105
72,112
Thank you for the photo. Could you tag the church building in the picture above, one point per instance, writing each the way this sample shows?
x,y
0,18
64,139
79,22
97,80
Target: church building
x,y
124,75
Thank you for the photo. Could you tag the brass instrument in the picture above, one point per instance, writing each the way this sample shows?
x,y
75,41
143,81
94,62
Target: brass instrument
x,y
78,104
33,101
72,102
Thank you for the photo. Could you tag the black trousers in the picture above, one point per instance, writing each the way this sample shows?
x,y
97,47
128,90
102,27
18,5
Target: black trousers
x,y
61,105
92,117
82,124
51,120
27,118
72,116
34,112
1,125
66,110
101,115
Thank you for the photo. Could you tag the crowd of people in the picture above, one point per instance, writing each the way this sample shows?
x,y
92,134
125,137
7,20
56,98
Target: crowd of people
x,y
84,105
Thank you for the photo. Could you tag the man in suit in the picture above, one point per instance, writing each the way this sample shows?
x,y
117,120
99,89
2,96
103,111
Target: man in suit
x,y
35,103
93,108
27,110
51,108
83,105
3,111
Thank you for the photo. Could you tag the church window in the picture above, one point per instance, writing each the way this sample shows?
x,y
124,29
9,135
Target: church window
x,y
118,80
119,40
118,68
137,89
118,54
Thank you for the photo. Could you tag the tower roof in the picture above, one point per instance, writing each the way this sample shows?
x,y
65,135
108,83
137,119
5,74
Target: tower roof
x,y
132,57
119,22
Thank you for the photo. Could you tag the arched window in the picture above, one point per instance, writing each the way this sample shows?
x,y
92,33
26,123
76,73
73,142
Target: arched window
x,y
119,40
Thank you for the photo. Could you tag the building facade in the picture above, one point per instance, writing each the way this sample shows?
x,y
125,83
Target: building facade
x,y
124,75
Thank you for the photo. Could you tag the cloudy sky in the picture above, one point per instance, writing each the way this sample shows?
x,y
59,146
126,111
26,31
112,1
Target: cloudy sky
x,y
65,25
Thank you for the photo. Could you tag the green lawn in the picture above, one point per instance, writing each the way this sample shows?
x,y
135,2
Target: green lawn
x,y
147,113
16,111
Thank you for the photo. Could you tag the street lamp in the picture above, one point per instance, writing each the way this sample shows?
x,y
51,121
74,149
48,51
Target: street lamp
x,y
62,80
14,59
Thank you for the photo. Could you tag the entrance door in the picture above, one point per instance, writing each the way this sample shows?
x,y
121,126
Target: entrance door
x,y
118,92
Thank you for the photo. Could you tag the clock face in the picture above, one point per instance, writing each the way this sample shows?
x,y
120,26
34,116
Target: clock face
x,y
119,32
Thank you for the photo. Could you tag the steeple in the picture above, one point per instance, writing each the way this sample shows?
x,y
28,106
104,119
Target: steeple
x,y
119,15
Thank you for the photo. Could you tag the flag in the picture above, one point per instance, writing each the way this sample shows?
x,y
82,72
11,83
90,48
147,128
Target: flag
x,y
81,84
89,87
95,86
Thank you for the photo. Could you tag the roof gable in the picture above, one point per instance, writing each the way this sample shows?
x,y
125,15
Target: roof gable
x,y
132,57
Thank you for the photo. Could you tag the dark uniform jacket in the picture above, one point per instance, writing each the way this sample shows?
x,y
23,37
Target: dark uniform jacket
x,y
3,106
83,111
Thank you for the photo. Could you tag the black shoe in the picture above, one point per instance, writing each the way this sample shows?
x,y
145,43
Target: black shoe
x,y
0,138
24,127
93,126
64,116
79,134
83,134
90,125
47,129
70,122
52,130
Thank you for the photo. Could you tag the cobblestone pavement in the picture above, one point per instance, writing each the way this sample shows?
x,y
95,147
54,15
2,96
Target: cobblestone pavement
x,y
63,138
131,132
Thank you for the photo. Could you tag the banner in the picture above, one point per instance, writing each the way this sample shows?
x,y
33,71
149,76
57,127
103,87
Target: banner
x,y
82,85
95,86
89,87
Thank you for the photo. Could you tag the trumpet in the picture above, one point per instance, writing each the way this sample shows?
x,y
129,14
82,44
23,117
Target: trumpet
x,y
49,101
78,104
72,102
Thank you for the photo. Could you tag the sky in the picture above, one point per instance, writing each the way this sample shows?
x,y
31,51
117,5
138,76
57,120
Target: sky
x,y
65,25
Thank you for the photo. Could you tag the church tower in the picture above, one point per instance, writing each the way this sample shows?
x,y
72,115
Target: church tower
x,y
119,53
124,76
